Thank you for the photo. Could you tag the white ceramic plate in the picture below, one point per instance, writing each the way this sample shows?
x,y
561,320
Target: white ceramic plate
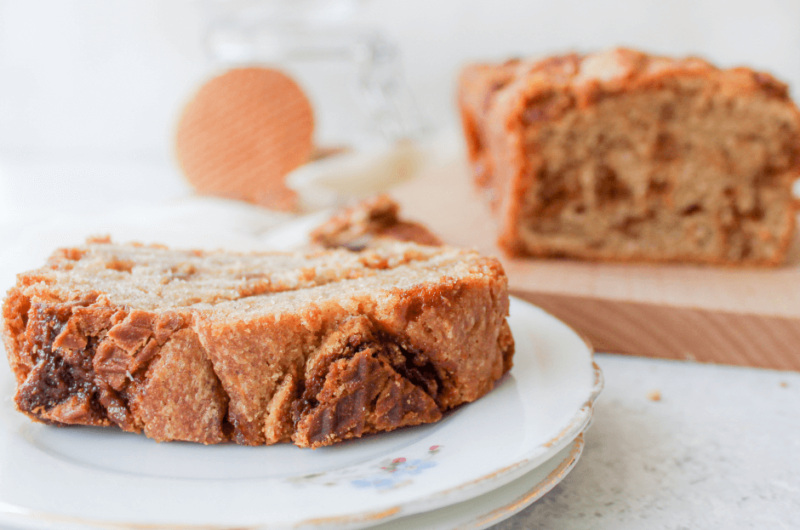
x,y
78,477
499,504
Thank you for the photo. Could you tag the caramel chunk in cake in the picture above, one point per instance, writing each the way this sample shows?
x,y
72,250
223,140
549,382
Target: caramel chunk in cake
x,y
625,156
312,347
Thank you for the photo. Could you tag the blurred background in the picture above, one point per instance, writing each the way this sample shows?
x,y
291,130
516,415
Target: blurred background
x,y
91,88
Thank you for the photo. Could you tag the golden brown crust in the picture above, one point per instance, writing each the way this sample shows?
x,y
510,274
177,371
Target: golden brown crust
x,y
180,397
477,86
502,127
314,364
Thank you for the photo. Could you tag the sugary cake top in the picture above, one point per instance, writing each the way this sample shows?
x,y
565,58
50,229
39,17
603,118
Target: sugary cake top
x,y
155,278
615,70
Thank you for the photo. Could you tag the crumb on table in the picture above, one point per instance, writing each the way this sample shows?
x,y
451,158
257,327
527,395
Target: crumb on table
x,y
654,395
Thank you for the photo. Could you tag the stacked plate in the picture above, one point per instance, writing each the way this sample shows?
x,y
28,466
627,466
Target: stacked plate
x,y
482,463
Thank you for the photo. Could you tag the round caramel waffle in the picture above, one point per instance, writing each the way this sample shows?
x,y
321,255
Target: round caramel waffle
x,y
242,133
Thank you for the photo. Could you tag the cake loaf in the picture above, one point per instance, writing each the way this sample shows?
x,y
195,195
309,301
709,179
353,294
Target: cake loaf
x,y
625,156
311,347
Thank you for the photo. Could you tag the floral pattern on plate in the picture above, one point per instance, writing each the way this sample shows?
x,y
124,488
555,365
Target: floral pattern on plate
x,y
388,474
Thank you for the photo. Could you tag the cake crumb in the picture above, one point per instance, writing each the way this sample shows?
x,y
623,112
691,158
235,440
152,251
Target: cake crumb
x,y
654,395
784,384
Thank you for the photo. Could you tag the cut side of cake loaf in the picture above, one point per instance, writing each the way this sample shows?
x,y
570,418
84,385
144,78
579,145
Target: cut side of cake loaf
x,y
625,156
310,347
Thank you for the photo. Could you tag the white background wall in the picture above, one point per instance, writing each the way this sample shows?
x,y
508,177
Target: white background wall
x,y
88,78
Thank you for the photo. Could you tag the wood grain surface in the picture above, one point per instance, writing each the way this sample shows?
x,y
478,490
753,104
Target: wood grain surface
x,y
748,317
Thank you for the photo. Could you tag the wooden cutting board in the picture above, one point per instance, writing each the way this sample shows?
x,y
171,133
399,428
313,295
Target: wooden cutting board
x,y
748,317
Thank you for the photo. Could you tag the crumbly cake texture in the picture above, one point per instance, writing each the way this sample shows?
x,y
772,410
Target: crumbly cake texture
x,y
626,156
371,223
311,347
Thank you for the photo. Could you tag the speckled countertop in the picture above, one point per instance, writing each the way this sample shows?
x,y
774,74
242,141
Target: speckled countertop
x,y
720,449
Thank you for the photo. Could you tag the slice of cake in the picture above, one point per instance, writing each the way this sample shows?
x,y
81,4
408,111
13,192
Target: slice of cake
x,y
626,156
311,347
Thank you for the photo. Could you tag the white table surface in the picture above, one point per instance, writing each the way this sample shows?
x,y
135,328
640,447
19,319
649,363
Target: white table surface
x,y
721,449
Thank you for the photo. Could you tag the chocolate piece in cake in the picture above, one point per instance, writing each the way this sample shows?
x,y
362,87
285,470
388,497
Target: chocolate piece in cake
x,y
625,156
312,347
